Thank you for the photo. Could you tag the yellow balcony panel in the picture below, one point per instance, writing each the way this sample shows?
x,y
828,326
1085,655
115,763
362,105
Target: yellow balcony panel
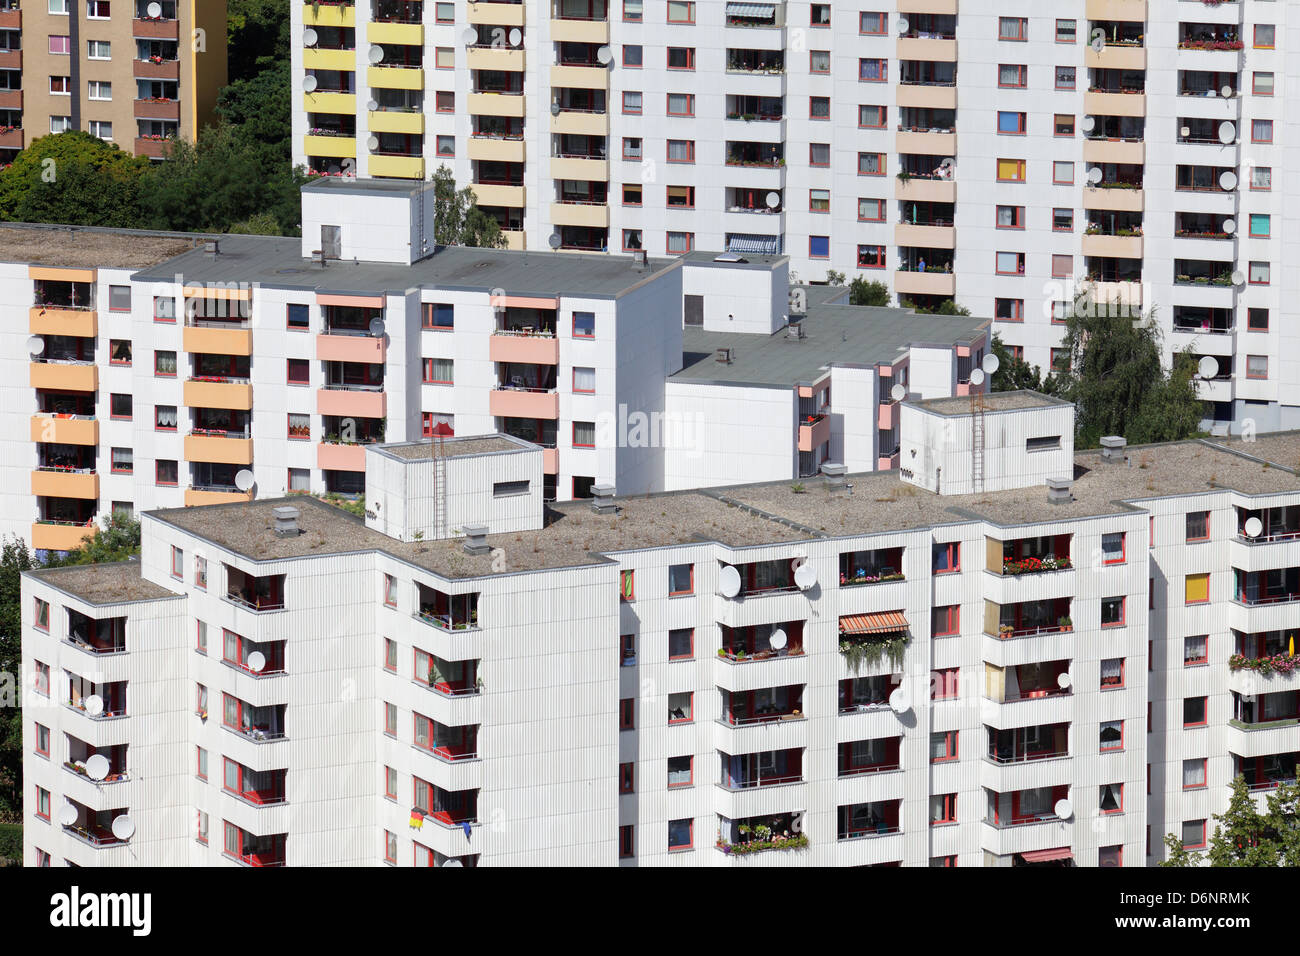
x,y
926,143
197,497
219,449
496,150
60,537
489,58
340,146
580,214
62,376
580,31
344,60
509,196
948,7
1127,200
925,190
395,121
1125,247
515,239
583,77
326,102
585,124
65,484
928,237
235,395
927,97
1129,10
397,167
1115,104
218,341
65,430
1114,151
592,170
500,14
1116,57
50,320
496,104
60,274
925,283
403,34
314,15
395,77
919,48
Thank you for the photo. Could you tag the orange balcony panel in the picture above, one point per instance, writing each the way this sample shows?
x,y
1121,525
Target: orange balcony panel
x,y
148,70
58,274
11,59
925,283
219,449
49,320
11,20
815,435
153,148
11,138
351,348
887,462
341,457
888,415
158,109
65,431
156,29
359,301
11,99
60,377
236,395
360,403
218,341
517,403
60,537
219,290
550,461
194,497
526,349
65,484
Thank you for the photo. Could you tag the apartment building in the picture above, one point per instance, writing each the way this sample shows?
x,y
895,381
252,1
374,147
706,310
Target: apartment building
x,y
151,370
134,72
860,671
1003,157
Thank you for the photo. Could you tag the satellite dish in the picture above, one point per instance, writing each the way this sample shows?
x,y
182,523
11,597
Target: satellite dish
x,y
1228,180
309,84
243,479
773,199
903,25
67,814
991,363
1253,527
516,36
257,662
1087,124
309,37
1208,367
453,863
1063,680
373,142
899,702
1094,175
977,376
36,345
1226,92
372,105
1064,809
1238,277
376,326
605,55
776,640
554,240
728,581
375,54
154,10
469,36
94,705
898,393
1229,226
123,827
1227,133
805,576
97,767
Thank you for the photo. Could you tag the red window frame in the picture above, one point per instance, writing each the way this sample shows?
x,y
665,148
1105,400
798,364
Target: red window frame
x,y
390,719
950,740
627,47
1262,189
882,112
42,678
1075,23
1023,69
690,588
1254,79
576,443
581,391
1016,310
690,829
1123,611
1062,182
200,758
1059,269
881,164
863,257
690,714
880,206
881,22
1113,747
39,729
42,613
1250,273
1020,263
293,364
690,5
812,115
390,655
944,683
1256,139
1120,808
882,69
1193,846
1018,217
157,473
690,58
626,841
1123,548
1254,37
640,195
1256,375
178,563
1252,320
690,654
1022,29
1123,675
668,98
390,838
949,812
950,616
951,550
690,158
1056,78
1020,176
1204,778
1206,536
813,72
438,101
113,348
42,797
627,714
632,112
690,758
626,778
627,584
1205,712
390,792
426,372
1023,123
156,354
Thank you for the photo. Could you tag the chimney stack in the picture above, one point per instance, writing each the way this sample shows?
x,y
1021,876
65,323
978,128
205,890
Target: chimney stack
x,y
476,539
286,521
1112,448
602,500
1058,490
834,472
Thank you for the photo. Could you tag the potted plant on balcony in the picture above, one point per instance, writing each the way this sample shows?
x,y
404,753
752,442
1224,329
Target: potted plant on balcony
x,y
1064,623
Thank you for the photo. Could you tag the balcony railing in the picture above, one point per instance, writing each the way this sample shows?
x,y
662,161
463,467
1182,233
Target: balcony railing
x,y
257,735
761,782
120,776
254,602
1266,599
444,622
1009,632
106,714
1032,565
1026,757
95,838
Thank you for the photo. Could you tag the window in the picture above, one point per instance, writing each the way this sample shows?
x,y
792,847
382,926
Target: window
x,y
1193,834
1013,75
1262,84
119,406
943,809
438,316
200,572
627,584
584,379
819,154
1196,589
1111,736
439,371
1194,773
584,325
1060,359
682,197
41,619
947,557
97,9
390,847
679,243
944,683
681,708
871,210
1111,798
390,655
872,117
42,678
1065,77
42,740
1011,170
43,803
60,124
122,461
1257,320
444,58
1013,28
819,61
1264,34
632,10
631,194
1062,266
946,621
1112,548
299,427
632,102
61,45
119,352
584,434
164,309
625,777
201,771
872,24
390,719
681,11
201,637
819,107
201,828
444,101
1259,273
1260,227
681,579
680,771
1112,611
1063,125
390,783
626,713
1194,712
297,372
869,164
119,298
873,70
1065,31
626,834
680,834
819,14
819,247
871,257
681,151
1261,131
390,591
446,145
1256,366
164,363
299,479
1011,122
1062,220
632,56
1010,263
1011,217
444,12
101,129
1009,310
819,200
681,58
1198,526
943,746
1112,673
681,104
1261,178
99,50
1063,173
631,147
59,7
681,644
166,473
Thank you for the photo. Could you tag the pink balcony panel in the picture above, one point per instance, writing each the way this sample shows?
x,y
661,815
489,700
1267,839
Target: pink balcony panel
x,y
887,463
814,435
963,388
518,403
351,348
525,349
360,301
358,402
888,415
550,461
341,457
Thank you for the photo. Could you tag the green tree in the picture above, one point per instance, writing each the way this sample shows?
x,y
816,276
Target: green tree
x,y
73,178
116,539
15,558
457,220
834,278
944,307
1246,836
257,33
863,291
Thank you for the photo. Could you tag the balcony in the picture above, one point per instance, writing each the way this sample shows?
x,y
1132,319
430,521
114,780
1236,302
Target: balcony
x,y
330,101
212,391
925,189
159,29
1276,524
329,15
1026,744
741,838
11,19
334,456
264,593
1123,247
880,566
925,283
219,447
1027,618
578,77
96,701
496,104
580,123
96,636
64,376
863,820
814,431
497,14
518,402
95,828
254,850
11,59
396,121
927,96
500,59
1118,10
937,234
339,346
496,149
508,196
157,69
358,401
79,321
1116,56
60,482
858,757
574,30
217,337
1105,103
1129,152
53,535
398,33
1125,197
396,167
65,429
772,768
524,347
330,145
447,612
210,495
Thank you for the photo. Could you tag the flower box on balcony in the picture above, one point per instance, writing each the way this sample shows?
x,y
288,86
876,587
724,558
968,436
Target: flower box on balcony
x,y
797,842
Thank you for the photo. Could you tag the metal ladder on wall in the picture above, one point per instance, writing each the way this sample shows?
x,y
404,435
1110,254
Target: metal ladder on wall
x,y
977,442
439,494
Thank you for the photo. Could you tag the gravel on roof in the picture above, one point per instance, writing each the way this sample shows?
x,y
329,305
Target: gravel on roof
x,y
453,448
76,248
993,402
115,583
1281,448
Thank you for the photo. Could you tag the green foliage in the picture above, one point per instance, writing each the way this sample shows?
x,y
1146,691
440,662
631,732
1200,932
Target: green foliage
x,y
257,34
355,506
872,650
14,560
457,220
11,844
834,278
72,178
1015,373
868,292
116,539
1245,835
945,307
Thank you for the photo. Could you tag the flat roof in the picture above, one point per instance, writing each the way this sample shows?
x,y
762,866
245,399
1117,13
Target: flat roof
x,y
456,447
366,187
117,583
277,262
734,260
991,402
846,335
88,247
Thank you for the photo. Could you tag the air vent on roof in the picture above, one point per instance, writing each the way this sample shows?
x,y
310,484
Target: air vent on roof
x,y
725,356
1058,491
639,260
1112,448
285,519
212,247
834,472
602,499
729,257
476,539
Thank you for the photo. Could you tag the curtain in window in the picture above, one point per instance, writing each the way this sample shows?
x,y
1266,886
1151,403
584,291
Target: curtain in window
x,y
1193,773
584,379
679,150
1112,670
1110,797
166,416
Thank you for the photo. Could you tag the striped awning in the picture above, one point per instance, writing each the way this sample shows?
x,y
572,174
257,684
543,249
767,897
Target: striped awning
x,y
1044,856
751,9
755,245
882,622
